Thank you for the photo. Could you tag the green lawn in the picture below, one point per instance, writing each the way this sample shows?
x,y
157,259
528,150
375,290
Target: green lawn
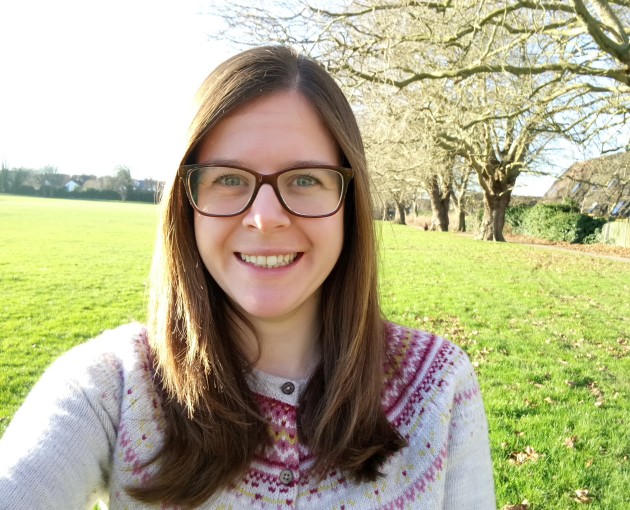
x,y
68,270
548,331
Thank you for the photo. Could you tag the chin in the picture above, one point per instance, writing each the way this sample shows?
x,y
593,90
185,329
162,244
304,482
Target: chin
x,y
266,314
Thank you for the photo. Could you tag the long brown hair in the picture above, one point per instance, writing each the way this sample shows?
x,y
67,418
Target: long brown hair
x,y
214,427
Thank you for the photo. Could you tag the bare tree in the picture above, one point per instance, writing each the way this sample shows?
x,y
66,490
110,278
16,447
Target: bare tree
x,y
122,182
5,178
460,188
405,159
48,179
16,179
569,61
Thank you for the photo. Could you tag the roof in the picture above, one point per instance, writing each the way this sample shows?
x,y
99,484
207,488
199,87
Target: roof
x,y
600,186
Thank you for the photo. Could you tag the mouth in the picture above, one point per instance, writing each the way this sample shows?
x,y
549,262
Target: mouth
x,y
269,261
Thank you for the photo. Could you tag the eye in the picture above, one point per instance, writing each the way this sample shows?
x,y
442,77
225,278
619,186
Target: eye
x,y
229,180
305,180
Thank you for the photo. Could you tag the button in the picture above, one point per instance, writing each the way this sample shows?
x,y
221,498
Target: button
x,y
286,476
288,388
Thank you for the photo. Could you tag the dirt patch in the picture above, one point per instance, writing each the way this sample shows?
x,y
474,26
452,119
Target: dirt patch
x,y
594,249
602,250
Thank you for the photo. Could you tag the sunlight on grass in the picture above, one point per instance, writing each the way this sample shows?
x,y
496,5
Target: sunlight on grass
x,y
68,270
548,332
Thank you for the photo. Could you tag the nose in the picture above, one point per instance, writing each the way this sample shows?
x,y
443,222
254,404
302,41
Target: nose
x,y
266,213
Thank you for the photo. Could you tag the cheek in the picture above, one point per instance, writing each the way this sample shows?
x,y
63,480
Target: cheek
x,y
339,225
332,235
340,234
209,237
199,226
199,233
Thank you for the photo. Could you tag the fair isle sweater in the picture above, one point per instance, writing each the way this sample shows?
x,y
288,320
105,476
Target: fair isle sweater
x,y
94,418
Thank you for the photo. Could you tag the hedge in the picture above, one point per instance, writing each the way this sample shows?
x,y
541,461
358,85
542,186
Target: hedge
x,y
555,222
91,194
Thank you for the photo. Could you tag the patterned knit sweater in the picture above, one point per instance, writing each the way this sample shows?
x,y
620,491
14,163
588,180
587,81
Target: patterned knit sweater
x,y
85,430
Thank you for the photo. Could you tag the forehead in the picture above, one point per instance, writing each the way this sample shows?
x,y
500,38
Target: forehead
x,y
275,130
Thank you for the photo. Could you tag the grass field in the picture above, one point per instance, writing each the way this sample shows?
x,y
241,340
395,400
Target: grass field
x,y
548,331
68,270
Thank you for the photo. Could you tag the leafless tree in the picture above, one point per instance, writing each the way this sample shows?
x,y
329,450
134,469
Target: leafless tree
x,y
405,159
48,180
122,182
569,62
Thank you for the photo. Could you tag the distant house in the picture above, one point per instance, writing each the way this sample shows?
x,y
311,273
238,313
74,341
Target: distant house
x,y
72,185
98,183
80,179
601,186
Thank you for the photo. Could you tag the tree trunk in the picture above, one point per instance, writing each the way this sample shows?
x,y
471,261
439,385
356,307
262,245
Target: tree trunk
x,y
401,214
494,207
461,219
440,202
439,216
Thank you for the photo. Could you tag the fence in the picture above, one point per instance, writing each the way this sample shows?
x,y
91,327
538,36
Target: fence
x,y
617,233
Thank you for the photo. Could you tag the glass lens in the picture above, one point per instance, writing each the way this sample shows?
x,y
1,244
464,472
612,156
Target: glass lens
x,y
221,190
311,191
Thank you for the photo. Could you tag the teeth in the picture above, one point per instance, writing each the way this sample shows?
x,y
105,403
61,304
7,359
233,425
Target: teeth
x,y
269,262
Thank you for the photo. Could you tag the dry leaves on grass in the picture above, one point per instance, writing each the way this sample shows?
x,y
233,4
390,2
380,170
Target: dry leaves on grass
x,y
583,496
569,442
527,455
596,392
450,328
519,506
597,249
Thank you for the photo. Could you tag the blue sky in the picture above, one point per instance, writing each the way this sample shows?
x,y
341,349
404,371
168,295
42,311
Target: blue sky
x,y
88,85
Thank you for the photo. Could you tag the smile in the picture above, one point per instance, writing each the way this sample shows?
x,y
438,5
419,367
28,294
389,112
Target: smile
x,y
269,261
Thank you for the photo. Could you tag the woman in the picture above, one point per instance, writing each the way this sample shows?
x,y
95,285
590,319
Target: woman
x,y
267,377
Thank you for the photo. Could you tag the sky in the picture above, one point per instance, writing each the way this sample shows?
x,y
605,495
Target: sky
x,y
86,86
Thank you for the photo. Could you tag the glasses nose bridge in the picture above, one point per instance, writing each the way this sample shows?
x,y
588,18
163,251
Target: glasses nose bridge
x,y
271,180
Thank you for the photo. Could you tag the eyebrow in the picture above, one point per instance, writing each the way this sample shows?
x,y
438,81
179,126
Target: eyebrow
x,y
299,163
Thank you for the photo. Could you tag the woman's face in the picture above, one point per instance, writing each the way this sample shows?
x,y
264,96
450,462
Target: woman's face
x,y
268,261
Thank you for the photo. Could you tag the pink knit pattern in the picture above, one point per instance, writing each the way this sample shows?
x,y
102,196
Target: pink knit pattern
x,y
106,422
418,372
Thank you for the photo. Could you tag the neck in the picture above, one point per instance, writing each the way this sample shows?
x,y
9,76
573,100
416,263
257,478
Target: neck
x,y
288,348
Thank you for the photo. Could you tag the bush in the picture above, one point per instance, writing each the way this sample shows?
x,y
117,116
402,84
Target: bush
x,y
98,194
594,238
560,222
590,229
514,216
25,190
137,195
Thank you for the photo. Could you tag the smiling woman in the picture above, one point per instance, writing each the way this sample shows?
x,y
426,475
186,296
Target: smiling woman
x,y
274,133
266,377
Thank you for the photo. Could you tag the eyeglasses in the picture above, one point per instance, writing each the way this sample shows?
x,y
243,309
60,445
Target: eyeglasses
x,y
310,192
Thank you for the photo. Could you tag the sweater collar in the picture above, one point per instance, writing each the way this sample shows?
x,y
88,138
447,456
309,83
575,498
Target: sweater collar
x,y
279,388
